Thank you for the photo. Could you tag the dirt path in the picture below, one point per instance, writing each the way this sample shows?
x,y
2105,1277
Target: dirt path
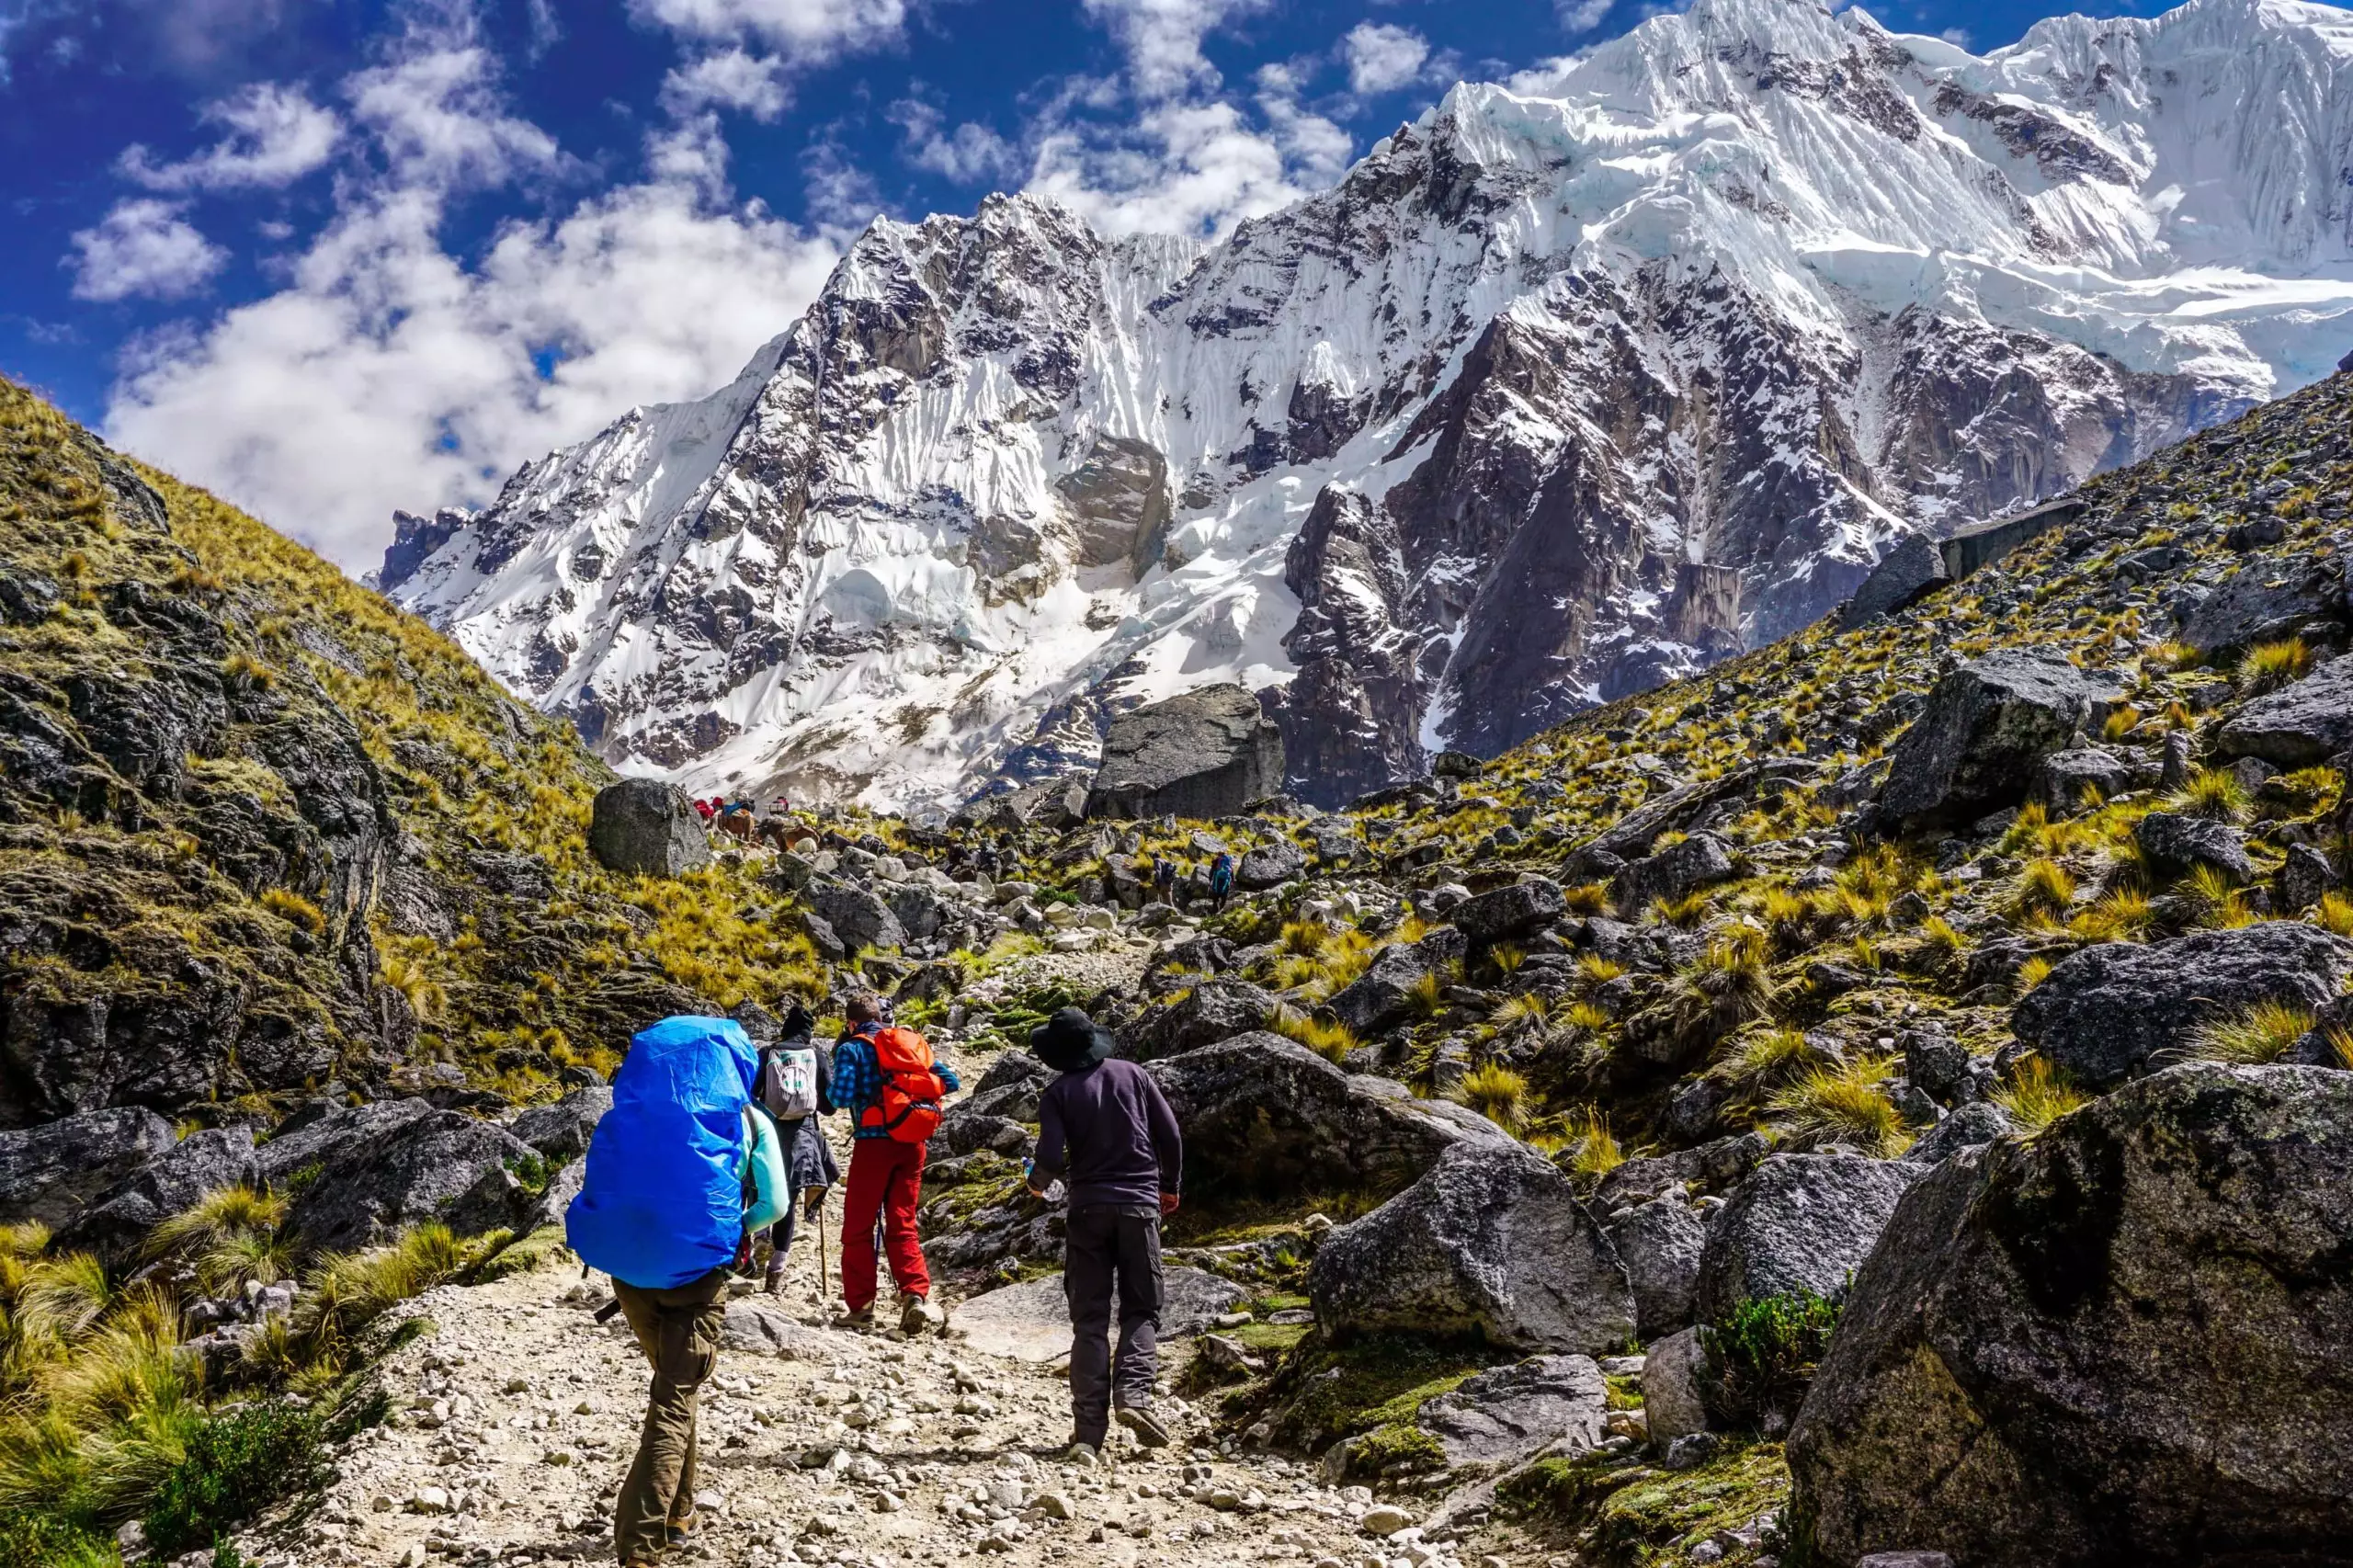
x,y
516,1415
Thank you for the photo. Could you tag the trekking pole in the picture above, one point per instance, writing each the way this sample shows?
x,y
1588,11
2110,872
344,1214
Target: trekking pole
x,y
825,1288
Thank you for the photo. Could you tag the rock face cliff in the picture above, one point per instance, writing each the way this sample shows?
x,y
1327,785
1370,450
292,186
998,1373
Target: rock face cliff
x,y
1569,387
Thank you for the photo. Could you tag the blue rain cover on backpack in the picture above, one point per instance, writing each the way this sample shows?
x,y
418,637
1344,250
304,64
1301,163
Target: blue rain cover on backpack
x,y
662,1201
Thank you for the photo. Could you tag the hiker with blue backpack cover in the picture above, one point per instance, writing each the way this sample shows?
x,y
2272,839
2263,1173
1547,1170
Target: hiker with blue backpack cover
x,y
681,1173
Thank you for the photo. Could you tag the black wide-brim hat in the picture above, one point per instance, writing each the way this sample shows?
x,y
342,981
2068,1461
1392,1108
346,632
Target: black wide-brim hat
x,y
1069,1041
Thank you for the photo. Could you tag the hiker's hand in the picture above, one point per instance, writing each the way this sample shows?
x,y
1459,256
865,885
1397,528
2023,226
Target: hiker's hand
x,y
1169,1201
815,1204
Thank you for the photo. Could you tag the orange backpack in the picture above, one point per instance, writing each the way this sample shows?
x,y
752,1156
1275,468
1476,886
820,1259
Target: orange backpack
x,y
908,1109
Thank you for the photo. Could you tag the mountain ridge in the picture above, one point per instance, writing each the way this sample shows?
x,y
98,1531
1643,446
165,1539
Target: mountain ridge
x,y
1633,367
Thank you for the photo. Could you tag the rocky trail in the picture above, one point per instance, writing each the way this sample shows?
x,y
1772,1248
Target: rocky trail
x,y
516,1416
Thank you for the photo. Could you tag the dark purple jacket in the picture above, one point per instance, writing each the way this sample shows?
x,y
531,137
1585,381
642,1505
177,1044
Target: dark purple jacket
x,y
1106,1131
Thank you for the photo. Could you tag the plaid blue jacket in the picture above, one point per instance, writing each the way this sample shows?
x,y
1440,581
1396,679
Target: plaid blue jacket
x,y
857,1081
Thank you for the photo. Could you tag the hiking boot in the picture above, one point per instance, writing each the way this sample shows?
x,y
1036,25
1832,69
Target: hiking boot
x,y
1147,1427
678,1530
859,1321
916,1314
775,1283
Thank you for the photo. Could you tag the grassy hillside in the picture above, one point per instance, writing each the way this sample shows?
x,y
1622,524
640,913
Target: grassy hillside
x,y
261,833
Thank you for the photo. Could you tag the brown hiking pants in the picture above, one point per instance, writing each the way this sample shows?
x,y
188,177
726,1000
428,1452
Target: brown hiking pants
x,y
678,1331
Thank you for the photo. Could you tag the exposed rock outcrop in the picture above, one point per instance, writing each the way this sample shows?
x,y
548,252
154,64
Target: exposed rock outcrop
x,y
1205,754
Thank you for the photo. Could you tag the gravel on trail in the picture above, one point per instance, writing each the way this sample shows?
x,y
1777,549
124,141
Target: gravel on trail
x,y
515,1415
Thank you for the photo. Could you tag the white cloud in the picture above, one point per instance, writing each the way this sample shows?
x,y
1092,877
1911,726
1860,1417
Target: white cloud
x,y
1163,40
142,248
1582,16
731,78
1382,58
276,136
1188,168
969,155
389,373
808,31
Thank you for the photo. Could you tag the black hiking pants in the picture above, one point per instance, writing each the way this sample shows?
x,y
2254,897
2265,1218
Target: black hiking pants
x,y
1110,1250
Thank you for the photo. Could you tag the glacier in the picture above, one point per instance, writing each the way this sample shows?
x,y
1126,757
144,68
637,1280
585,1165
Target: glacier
x,y
1572,384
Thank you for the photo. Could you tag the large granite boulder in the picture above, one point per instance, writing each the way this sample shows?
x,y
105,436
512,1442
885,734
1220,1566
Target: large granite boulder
x,y
359,1175
2261,604
1799,1222
1498,1417
117,1225
644,827
2176,844
1912,569
1660,1243
560,1132
2296,726
1699,861
1382,994
1491,1242
1265,1117
1211,1011
2121,1341
48,1173
1203,754
1973,1124
1980,742
2104,1011
1504,913
1270,865
857,916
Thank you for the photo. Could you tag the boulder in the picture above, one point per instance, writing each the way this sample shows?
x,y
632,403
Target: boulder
x,y
1380,996
1211,1011
1912,569
2177,844
560,1132
2103,1013
49,1173
1203,754
963,1130
1014,1066
756,1325
1270,865
1708,1168
2260,606
1671,1398
2120,1341
359,1176
2298,725
1030,1322
2302,878
857,915
918,909
1265,1117
1660,1243
642,827
1940,1067
117,1224
2065,774
1701,860
1491,1242
1507,912
1977,1123
1799,1222
1499,1418
1980,742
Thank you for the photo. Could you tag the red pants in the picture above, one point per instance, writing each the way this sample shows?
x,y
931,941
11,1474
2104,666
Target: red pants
x,y
885,1180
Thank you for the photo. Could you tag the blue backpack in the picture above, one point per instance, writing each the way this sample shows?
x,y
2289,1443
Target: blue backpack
x,y
662,1204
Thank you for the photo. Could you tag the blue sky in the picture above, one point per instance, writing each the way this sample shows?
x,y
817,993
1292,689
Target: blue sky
x,y
335,256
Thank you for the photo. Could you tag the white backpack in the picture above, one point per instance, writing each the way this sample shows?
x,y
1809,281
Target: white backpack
x,y
788,1082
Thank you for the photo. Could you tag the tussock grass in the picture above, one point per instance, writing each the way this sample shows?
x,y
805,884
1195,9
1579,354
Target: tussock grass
x,y
1328,1037
2268,666
1842,1105
1595,1150
1495,1092
2038,1095
2251,1036
2044,889
2212,792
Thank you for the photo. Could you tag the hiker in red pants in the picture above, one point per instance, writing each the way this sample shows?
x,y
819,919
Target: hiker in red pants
x,y
886,1078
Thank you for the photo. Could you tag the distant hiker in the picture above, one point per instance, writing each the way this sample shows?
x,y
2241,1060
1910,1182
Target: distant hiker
x,y
886,1078
1163,879
794,1089
1105,1128
681,1172
1222,879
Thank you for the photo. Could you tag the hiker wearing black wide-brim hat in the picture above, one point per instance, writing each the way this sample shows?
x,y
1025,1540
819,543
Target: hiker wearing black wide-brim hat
x,y
1105,1128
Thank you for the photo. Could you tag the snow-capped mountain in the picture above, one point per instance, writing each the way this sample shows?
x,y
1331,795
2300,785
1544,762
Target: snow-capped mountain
x,y
1566,388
